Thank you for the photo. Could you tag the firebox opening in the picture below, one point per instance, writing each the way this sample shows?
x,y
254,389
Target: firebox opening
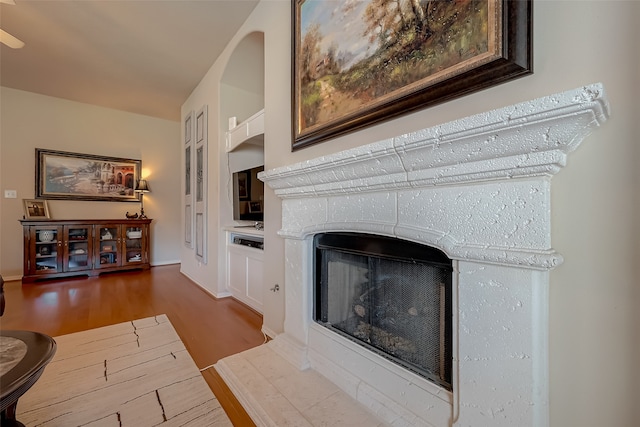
x,y
391,296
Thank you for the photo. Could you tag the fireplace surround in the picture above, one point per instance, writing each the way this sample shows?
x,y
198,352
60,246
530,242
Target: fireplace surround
x,y
478,189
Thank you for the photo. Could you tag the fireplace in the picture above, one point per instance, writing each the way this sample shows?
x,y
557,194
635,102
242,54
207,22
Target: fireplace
x,y
390,296
478,190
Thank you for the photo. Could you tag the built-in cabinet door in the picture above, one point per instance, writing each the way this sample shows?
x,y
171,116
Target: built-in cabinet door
x,y
135,238
78,253
244,275
255,282
237,271
46,244
108,244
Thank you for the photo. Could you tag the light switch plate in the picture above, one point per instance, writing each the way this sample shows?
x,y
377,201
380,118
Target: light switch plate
x,y
10,194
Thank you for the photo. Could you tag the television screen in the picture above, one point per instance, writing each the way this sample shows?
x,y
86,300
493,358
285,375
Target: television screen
x,y
248,192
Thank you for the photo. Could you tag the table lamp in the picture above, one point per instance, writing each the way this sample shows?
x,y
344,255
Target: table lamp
x,y
142,187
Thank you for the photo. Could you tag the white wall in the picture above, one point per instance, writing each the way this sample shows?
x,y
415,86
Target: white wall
x,y
208,275
595,335
31,121
268,15
595,340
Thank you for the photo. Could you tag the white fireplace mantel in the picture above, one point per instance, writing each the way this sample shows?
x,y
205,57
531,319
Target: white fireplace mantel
x,y
531,139
477,188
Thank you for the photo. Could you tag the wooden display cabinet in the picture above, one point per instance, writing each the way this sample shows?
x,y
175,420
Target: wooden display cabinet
x,y
61,248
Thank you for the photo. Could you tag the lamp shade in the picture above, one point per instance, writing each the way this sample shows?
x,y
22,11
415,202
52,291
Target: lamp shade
x,y
143,186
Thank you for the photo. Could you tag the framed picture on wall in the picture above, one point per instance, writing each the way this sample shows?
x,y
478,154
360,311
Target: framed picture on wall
x,y
244,185
76,176
255,207
357,63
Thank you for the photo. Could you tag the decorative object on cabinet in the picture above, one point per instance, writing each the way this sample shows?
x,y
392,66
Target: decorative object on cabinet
x,y
61,248
142,187
131,216
134,234
417,55
75,176
35,209
46,235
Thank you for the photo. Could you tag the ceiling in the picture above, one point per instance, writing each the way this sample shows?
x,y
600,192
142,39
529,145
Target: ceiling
x,y
140,56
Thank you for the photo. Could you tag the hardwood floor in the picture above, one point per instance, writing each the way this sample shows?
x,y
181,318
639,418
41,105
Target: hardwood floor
x,y
210,328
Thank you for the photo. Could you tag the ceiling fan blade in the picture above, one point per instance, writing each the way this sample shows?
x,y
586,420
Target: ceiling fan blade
x,y
10,41
7,38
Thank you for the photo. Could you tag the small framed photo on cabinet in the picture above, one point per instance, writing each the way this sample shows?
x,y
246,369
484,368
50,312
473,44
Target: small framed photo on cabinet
x,y
36,209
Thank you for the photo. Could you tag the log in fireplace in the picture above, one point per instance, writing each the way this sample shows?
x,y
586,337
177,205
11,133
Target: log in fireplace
x,y
389,295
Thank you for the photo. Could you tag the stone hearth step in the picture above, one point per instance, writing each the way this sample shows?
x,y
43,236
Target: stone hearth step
x,y
275,393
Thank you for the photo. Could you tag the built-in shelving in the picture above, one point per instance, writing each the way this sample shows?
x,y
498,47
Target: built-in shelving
x,y
250,131
248,240
245,244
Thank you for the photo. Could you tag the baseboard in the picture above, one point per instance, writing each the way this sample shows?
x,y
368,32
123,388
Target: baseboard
x,y
291,350
269,332
224,294
156,264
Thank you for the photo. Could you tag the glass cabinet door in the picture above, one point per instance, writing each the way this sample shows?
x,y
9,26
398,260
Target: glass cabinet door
x,y
107,246
46,241
77,250
134,248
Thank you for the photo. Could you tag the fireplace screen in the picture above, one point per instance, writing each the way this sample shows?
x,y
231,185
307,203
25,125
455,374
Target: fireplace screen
x,y
391,296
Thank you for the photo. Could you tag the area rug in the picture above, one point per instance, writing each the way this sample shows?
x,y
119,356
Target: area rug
x,y
133,374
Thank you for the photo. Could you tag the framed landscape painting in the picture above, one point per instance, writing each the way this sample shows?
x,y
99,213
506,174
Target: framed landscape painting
x,y
356,63
75,176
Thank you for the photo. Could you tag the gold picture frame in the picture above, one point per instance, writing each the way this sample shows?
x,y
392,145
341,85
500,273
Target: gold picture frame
x,y
36,209
78,176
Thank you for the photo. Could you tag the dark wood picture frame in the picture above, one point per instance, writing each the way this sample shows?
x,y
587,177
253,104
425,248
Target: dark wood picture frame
x,y
76,176
509,56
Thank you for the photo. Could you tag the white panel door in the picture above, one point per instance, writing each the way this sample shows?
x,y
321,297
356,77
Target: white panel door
x,y
201,184
188,179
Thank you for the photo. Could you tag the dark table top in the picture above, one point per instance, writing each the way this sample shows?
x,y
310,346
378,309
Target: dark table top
x,y
23,357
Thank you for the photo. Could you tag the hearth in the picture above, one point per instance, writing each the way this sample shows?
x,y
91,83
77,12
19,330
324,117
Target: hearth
x,y
391,296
